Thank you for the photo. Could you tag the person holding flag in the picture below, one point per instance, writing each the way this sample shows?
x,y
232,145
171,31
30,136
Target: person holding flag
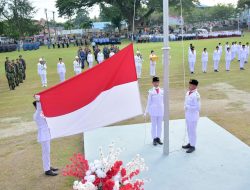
x,y
43,137
155,108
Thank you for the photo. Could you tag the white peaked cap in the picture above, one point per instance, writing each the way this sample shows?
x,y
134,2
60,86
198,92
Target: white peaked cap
x,y
77,57
40,59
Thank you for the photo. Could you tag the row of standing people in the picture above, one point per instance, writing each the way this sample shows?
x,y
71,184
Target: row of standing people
x,y
78,64
15,71
236,51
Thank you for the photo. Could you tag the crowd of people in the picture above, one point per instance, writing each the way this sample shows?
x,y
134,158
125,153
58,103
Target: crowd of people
x,y
237,51
15,71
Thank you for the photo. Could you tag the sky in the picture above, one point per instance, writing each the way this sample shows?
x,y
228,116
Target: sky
x,y
40,5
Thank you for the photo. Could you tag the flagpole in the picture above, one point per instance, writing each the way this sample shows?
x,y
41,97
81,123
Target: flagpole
x,y
166,49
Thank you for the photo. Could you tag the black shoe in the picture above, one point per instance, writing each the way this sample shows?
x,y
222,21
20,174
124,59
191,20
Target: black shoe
x,y
158,140
191,149
50,173
186,146
242,69
54,169
192,72
154,142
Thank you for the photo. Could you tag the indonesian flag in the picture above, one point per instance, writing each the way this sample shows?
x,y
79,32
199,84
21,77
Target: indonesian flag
x,y
103,95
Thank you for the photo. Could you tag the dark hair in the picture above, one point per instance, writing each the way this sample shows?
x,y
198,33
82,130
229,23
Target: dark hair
x,y
204,49
228,48
34,103
60,58
217,47
152,51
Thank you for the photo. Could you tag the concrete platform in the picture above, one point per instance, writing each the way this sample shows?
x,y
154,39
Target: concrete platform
x,y
221,161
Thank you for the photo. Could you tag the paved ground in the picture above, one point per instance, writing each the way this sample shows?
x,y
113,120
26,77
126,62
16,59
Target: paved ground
x,y
221,161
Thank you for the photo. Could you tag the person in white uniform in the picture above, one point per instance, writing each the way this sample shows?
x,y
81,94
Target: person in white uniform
x,y
233,50
204,60
216,59
42,71
192,60
228,58
100,57
192,113
152,59
43,137
77,66
220,48
61,70
90,59
138,63
111,53
248,51
227,46
155,108
239,47
243,55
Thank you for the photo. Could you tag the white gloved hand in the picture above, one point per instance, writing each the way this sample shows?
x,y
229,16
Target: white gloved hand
x,y
37,97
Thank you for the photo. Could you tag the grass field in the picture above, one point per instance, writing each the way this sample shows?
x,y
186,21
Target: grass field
x,y
225,99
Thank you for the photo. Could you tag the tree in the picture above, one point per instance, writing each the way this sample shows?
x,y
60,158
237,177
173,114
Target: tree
x,y
17,15
243,3
143,8
81,17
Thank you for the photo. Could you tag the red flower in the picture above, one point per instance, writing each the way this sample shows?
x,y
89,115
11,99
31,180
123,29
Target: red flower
x,y
108,185
123,172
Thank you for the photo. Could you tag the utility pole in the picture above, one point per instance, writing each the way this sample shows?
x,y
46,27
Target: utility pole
x,y
48,27
54,25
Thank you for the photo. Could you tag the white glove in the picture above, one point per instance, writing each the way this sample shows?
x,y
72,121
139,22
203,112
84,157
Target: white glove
x,y
37,97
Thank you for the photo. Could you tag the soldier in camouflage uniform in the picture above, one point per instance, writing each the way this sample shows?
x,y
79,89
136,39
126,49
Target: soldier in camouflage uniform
x,y
22,61
11,75
20,71
16,67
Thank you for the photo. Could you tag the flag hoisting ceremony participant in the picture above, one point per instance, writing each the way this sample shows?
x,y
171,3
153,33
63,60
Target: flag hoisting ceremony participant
x,y
248,51
228,58
216,59
77,66
239,47
100,57
227,46
192,109
243,55
233,50
90,59
155,108
220,48
192,59
42,71
61,70
43,137
204,60
138,64
153,58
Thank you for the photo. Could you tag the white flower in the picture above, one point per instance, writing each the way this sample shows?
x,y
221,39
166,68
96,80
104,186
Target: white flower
x,y
75,186
90,178
88,172
100,173
93,168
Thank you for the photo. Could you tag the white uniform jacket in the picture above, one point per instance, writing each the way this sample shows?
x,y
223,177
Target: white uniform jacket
x,y
192,106
192,56
77,66
138,61
228,56
42,69
100,57
61,68
243,53
216,55
90,58
155,105
43,130
204,56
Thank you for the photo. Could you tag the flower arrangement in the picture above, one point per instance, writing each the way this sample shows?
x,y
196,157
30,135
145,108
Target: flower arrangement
x,y
107,173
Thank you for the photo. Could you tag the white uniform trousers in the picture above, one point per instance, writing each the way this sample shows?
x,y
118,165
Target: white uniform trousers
x,y
46,155
204,66
191,129
246,61
90,64
228,65
242,63
216,64
62,76
191,66
152,69
138,71
156,126
43,79
233,55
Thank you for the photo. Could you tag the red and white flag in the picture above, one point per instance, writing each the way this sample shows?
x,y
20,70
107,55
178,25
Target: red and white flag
x,y
105,94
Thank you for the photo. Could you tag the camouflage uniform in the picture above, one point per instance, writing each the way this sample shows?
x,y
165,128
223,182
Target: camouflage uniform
x,y
16,67
20,72
11,76
22,61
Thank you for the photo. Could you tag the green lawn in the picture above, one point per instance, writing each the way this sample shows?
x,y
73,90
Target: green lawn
x,y
225,99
